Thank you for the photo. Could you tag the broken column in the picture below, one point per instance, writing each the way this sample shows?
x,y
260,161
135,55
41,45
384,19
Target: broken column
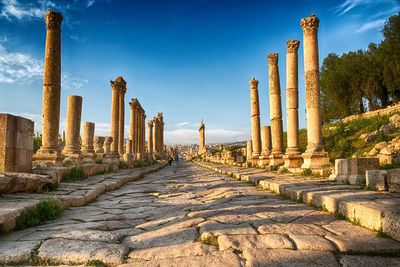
x,y
107,145
266,141
128,156
293,156
275,111
99,146
121,116
16,143
51,90
315,156
74,111
87,140
144,133
255,118
249,150
202,139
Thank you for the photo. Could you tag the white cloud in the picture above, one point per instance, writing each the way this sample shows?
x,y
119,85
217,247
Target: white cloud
x,y
350,4
14,9
371,25
90,3
71,83
180,124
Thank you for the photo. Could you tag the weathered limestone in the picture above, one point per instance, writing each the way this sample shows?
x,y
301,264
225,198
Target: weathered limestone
x,y
99,146
202,139
293,156
156,135
63,136
74,111
376,179
150,138
255,118
51,91
128,156
275,111
113,156
16,143
161,132
87,140
121,117
393,180
107,145
249,150
315,156
353,170
266,141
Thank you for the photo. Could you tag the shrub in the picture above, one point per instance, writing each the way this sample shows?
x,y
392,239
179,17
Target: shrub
x,y
306,172
74,174
37,143
122,165
138,164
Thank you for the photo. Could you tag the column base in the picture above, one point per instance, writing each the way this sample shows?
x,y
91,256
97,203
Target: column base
x,y
292,161
254,160
263,162
111,158
276,159
89,156
49,155
316,160
128,159
99,156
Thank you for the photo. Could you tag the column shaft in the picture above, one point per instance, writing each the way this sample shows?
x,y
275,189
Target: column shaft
x,y
255,118
266,140
74,110
121,118
114,119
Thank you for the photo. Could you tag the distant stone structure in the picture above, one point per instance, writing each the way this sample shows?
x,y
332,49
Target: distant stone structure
x,y
16,143
275,111
150,138
202,139
49,150
255,119
74,110
315,156
137,129
293,156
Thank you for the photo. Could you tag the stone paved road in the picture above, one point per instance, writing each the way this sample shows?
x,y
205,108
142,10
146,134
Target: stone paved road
x,y
190,216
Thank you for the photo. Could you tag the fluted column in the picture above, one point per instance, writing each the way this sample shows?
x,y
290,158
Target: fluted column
x,y
315,156
275,110
292,156
51,90
150,137
255,118
74,111
121,118
266,140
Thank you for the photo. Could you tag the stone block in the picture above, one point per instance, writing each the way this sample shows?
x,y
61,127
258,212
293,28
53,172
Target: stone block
x,y
16,143
353,170
393,179
376,179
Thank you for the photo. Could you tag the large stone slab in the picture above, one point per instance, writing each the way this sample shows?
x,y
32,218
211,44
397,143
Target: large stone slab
x,y
90,235
312,242
292,229
345,228
216,229
365,244
77,251
368,261
286,257
16,251
241,242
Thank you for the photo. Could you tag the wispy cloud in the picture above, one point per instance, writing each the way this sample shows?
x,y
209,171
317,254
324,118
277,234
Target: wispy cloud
x,y
349,5
180,124
90,3
72,83
371,25
14,9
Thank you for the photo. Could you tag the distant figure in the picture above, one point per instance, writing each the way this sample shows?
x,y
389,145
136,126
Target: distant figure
x,y
170,161
177,160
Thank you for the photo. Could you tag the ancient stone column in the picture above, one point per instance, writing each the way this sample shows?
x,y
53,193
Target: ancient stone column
x,y
144,132
116,85
161,135
292,157
137,136
49,150
98,144
155,135
266,141
121,117
255,118
74,110
87,139
107,145
275,111
249,151
315,156
63,135
132,124
150,137
202,139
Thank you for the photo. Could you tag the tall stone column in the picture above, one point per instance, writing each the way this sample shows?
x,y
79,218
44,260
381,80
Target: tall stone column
x,y
136,143
150,137
202,139
74,111
249,150
255,118
132,124
87,140
266,141
292,157
144,132
155,136
51,90
121,117
315,156
275,111
113,156
140,132
161,119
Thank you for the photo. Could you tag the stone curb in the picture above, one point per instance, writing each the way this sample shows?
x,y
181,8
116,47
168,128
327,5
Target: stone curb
x,y
90,189
374,210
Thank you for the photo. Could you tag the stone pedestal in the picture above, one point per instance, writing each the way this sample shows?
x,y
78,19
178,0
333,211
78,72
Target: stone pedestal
x,y
87,140
74,110
98,146
16,143
315,156
50,150
275,111
255,118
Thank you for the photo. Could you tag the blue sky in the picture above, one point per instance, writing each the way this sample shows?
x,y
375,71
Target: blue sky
x,y
190,59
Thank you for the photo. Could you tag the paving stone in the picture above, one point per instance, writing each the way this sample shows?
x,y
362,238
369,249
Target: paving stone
x,y
368,261
364,244
312,242
316,217
287,257
241,242
161,238
169,252
90,235
78,251
216,229
16,251
292,229
345,228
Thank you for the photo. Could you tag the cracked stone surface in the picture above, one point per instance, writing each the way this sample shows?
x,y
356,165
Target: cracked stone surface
x,y
187,215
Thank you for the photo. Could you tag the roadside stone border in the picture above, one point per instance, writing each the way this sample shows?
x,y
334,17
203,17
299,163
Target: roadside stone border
x,y
72,194
379,211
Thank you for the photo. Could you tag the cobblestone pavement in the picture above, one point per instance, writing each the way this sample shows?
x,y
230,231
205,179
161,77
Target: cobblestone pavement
x,y
187,215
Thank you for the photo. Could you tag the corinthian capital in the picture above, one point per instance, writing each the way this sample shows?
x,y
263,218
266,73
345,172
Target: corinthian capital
x,y
292,46
273,58
253,83
53,20
310,24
